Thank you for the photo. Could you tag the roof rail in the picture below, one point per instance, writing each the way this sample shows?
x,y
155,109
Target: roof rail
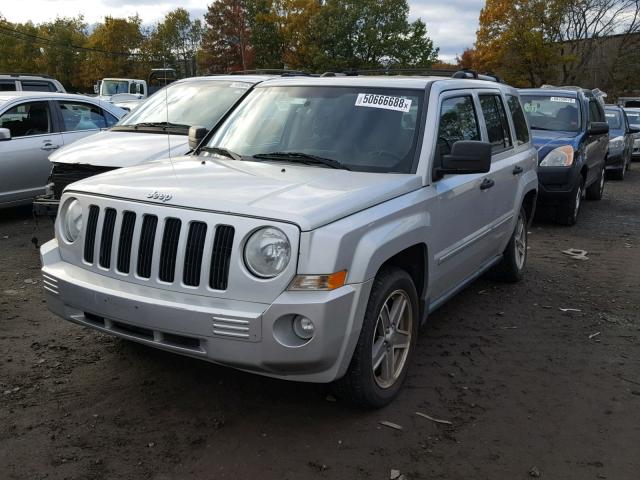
x,y
429,72
472,74
43,75
273,71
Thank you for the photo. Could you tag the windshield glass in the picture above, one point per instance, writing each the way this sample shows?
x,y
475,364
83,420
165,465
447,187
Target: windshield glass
x,y
365,129
552,112
614,119
113,87
187,104
634,118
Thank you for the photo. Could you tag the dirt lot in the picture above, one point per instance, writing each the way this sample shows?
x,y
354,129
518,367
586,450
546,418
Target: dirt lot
x,y
530,390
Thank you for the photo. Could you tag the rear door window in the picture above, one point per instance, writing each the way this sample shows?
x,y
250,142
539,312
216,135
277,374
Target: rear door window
x,y
35,86
458,121
519,120
83,116
27,119
7,86
495,119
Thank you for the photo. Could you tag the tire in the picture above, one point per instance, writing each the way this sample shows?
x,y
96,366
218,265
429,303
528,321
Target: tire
x,y
514,260
363,384
619,174
596,189
567,214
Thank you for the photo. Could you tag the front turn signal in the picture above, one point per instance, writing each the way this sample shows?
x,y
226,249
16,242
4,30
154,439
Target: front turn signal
x,y
319,282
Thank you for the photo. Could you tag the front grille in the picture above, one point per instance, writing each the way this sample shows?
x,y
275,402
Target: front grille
x,y
221,257
137,237
145,250
169,249
63,174
90,236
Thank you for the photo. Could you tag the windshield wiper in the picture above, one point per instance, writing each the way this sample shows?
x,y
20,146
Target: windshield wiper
x,y
161,124
301,157
222,151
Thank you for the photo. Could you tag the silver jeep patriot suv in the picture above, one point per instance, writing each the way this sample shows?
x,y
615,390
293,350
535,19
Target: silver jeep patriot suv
x,y
310,235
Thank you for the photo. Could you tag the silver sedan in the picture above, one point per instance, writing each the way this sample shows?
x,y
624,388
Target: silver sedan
x,y
32,126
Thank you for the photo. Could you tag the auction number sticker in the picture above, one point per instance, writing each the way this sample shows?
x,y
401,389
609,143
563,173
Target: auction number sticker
x,y
563,99
385,102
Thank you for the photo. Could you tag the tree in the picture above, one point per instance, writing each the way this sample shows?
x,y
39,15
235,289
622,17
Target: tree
x,y
226,43
176,40
18,50
357,34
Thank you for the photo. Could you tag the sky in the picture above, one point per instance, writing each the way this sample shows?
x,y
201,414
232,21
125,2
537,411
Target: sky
x,y
451,24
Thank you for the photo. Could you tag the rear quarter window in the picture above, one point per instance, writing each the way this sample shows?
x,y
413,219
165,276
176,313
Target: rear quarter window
x,y
519,120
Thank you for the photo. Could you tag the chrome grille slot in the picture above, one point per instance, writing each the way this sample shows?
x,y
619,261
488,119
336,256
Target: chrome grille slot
x,y
193,253
90,235
145,249
169,249
106,239
221,257
125,241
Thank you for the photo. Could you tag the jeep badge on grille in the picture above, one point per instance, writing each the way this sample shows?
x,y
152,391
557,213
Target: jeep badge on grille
x,y
163,197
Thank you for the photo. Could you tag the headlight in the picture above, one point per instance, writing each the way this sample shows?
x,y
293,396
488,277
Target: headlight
x,y
560,157
267,252
72,220
617,142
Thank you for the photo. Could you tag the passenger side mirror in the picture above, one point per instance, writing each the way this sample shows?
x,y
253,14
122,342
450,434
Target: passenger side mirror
x,y
467,156
5,134
598,128
634,130
196,134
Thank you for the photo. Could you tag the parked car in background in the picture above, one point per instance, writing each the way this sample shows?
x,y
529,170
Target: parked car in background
x,y
633,116
126,93
310,234
629,102
16,82
621,138
571,134
34,124
158,129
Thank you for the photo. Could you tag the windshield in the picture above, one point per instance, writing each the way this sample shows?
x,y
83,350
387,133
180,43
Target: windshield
x,y
188,104
365,129
614,119
552,112
634,118
113,87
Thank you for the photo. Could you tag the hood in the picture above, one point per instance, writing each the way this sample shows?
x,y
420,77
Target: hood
x,y
121,149
307,196
546,140
617,132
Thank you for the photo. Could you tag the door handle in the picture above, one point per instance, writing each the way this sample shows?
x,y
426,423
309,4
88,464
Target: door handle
x,y
49,146
487,183
517,170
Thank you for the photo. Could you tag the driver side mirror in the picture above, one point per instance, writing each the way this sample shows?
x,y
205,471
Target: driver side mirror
x,y
196,134
5,134
598,128
467,156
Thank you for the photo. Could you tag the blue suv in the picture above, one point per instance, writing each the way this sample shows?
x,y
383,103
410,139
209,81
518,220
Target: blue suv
x,y
570,132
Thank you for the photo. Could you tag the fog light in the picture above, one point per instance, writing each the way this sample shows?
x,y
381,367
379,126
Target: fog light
x,y
303,327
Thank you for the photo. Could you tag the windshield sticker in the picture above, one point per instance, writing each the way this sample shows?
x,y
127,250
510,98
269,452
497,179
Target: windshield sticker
x,y
385,102
244,86
530,108
563,99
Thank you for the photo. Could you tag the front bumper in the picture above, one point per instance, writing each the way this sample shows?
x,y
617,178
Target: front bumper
x,y
556,185
46,206
242,334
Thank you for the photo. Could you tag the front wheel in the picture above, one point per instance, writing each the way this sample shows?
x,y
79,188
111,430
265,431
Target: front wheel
x,y
388,337
567,213
596,189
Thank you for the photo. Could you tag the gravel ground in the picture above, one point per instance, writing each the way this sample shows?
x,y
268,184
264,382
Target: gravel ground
x,y
530,390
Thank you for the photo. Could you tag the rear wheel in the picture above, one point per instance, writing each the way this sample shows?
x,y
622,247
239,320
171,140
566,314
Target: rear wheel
x,y
511,267
596,189
379,364
567,213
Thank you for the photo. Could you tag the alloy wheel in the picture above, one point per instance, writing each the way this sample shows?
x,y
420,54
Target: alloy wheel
x,y
392,339
521,242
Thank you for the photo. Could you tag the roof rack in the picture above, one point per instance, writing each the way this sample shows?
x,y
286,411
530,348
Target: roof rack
x,y
274,71
472,74
43,75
